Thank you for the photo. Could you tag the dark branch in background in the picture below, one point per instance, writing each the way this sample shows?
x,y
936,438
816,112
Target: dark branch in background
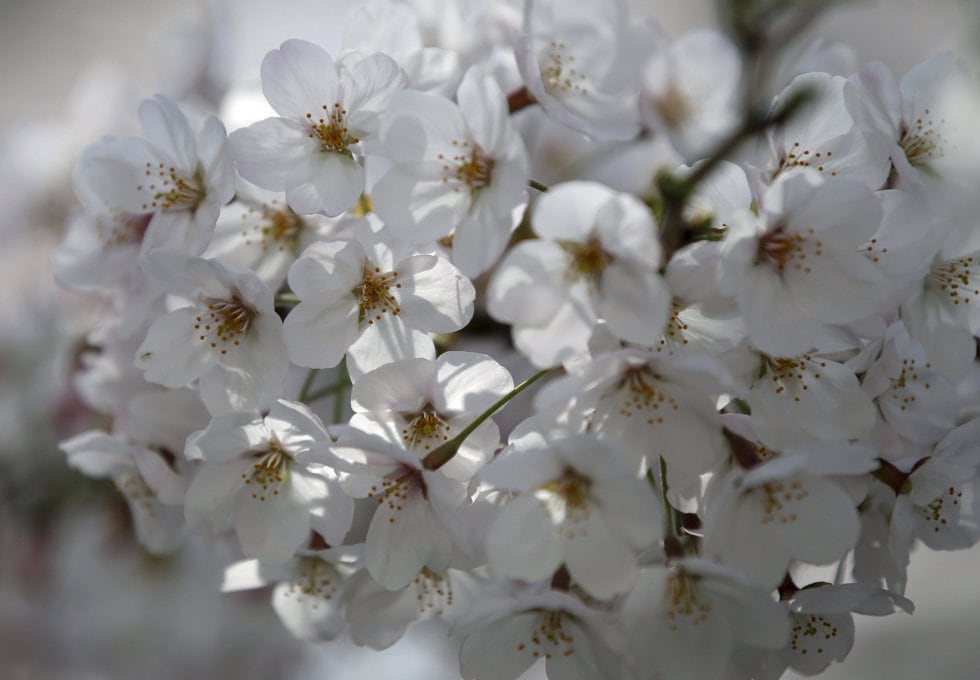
x,y
761,29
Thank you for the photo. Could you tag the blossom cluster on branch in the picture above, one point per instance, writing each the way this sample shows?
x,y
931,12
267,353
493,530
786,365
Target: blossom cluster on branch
x,y
740,268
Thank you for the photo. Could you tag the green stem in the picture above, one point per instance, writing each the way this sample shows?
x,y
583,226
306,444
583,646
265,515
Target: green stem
x,y
287,299
535,184
304,391
340,387
672,518
438,457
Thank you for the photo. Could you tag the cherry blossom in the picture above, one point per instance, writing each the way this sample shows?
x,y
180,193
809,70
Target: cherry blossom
x,y
179,181
597,258
327,112
229,336
578,506
251,478
460,168
362,298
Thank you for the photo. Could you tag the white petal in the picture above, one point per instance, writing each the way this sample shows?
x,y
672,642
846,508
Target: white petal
x,y
404,386
469,382
385,341
599,560
434,295
522,543
299,78
495,652
528,286
169,355
270,530
318,337
167,129
335,187
634,303
265,152
398,541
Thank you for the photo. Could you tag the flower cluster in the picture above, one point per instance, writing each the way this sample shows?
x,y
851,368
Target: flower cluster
x,y
753,293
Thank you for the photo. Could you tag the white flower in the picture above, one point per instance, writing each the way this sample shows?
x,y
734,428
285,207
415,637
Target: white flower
x,y
250,477
326,114
309,589
648,406
823,135
788,508
823,623
411,526
799,273
911,116
943,312
808,395
460,169
180,181
917,404
153,490
229,337
685,621
424,403
576,62
259,231
573,639
690,91
598,259
935,504
378,617
577,504
361,298
394,28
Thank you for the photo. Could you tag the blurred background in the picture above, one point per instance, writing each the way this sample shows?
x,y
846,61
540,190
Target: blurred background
x,y
78,599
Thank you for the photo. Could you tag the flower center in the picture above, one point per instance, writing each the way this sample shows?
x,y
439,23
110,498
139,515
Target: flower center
x,y
268,472
675,332
567,499
471,168
792,374
558,73
801,157
938,514
902,391
782,249
549,637
313,578
682,601
425,428
953,279
433,592
330,128
223,322
922,141
374,294
277,228
171,190
673,107
643,394
398,487
586,261
777,499
810,631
